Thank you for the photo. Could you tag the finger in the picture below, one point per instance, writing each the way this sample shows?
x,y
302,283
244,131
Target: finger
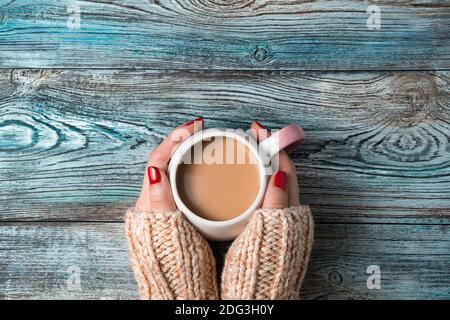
x,y
288,166
260,132
276,194
285,164
161,199
161,155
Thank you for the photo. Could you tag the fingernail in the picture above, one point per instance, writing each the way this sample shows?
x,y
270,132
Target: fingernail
x,y
280,180
259,124
200,119
154,176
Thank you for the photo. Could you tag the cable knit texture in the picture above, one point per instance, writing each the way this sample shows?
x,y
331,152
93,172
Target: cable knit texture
x,y
170,259
269,259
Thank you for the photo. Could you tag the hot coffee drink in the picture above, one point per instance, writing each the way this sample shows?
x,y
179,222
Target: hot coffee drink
x,y
219,179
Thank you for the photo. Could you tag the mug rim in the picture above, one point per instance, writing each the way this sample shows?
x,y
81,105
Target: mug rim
x,y
186,146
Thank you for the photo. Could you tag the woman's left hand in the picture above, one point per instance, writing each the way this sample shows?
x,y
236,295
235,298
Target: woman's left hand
x,y
156,194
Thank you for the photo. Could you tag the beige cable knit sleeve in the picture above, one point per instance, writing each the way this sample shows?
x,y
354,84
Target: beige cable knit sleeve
x,y
269,259
170,259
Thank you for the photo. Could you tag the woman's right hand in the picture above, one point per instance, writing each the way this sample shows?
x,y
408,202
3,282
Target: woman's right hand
x,y
282,190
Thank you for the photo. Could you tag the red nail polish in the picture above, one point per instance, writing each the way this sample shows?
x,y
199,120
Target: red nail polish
x,y
259,124
280,180
192,121
154,176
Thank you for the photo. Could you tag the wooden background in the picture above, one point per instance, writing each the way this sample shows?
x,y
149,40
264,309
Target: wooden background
x,y
81,108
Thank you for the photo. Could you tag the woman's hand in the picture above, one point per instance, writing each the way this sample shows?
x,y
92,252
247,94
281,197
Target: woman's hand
x,y
156,195
169,257
282,189
269,258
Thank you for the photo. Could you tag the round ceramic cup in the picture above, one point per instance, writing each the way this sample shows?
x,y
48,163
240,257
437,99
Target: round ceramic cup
x,y
263,153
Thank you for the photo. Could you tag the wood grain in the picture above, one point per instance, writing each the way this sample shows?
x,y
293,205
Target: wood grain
x,y
74,138
300,35
41,261
73,144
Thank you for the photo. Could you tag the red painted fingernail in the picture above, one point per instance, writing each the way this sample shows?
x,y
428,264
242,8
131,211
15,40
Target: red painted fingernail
x,y
192,121
280,180
154,176
259,124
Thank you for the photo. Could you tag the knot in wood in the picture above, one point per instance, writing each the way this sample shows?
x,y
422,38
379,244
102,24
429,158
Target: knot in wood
x,y
2,18
261,54
335,277
414,96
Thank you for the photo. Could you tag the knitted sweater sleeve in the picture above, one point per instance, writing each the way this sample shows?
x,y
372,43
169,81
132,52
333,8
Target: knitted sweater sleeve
x,y
170,259
269,259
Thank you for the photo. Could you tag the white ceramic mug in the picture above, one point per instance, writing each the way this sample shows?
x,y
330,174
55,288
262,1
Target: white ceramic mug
x,y
262,153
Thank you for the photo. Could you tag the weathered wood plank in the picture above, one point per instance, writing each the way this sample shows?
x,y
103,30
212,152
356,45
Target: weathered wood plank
x,y
42,260
301,35
73,144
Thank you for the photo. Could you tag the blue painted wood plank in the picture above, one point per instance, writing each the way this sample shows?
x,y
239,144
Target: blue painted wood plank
x,y
311,35
46,260
73,144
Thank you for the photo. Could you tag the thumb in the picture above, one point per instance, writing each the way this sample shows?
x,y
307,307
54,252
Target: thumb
x,y
161,199
276,196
